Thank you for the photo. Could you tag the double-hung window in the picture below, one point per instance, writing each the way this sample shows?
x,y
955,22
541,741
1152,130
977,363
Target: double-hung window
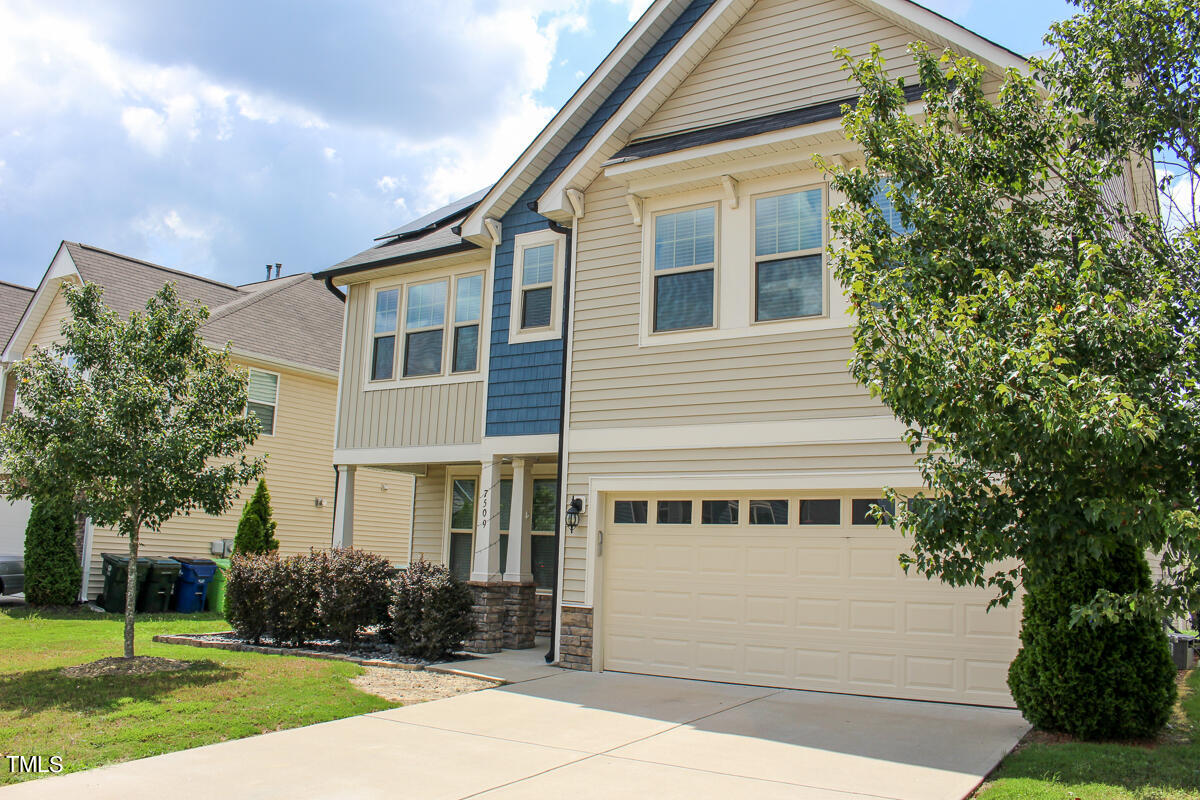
x,y
262,394
462,526
789,276
424,324
537,286
383,348
684,268
468,306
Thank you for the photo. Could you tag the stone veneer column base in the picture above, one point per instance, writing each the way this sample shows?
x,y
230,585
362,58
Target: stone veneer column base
x,y
575,638
488,615
520,611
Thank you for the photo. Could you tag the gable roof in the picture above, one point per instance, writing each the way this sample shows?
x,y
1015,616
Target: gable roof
x,y
13,301
291,320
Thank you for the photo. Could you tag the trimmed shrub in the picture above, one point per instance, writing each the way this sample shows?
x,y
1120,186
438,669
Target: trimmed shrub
x,y
1107,681
52,571
354,588
256,529
247,594
431,611
292,605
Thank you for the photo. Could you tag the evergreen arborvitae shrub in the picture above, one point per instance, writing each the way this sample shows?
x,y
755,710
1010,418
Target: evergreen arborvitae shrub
x,y
431,611
1106,681
256,529
52,570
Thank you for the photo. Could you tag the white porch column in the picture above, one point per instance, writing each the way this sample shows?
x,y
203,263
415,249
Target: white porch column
x,y
518,569
485,563
343,511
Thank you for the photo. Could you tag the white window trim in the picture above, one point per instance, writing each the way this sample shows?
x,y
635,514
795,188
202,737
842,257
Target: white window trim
x,y
274,404
733,312
373,335
398,381
447,301
822,251
521,243
649,274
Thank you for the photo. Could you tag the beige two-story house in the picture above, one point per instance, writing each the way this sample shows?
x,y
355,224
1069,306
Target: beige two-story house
x,y
286,333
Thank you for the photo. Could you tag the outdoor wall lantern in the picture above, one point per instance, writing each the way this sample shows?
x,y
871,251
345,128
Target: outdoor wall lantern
x,y
574,509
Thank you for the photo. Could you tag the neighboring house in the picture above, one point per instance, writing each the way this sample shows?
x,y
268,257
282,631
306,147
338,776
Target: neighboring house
x,y
286,332
723,457
13,516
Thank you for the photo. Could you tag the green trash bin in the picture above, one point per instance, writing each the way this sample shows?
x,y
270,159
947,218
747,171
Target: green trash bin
x,y
115,568
154,596
216,589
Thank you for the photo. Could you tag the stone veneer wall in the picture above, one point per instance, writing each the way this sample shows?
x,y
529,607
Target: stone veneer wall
x,y
488,615
575,638
545,614
520,616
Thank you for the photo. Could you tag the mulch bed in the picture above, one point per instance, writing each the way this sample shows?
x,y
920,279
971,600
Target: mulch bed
x,y
138,665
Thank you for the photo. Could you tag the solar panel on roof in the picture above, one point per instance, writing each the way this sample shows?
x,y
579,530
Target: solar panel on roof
x,y
433,217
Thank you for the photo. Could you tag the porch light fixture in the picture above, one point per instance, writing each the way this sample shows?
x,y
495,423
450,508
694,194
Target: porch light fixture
x,y
573,511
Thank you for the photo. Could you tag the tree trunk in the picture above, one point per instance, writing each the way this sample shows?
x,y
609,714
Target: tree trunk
x,y
131,589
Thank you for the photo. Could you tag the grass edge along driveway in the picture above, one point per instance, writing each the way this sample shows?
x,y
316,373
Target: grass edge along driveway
x,y
1165,770
90,722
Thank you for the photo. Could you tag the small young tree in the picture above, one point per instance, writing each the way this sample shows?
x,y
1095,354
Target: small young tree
x,y
256,529
138,417
1032,320
52,570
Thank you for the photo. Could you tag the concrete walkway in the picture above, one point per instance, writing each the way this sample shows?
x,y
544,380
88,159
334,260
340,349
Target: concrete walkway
x,y
582,736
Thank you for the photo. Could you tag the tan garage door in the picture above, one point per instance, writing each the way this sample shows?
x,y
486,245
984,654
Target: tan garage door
x,y
787,590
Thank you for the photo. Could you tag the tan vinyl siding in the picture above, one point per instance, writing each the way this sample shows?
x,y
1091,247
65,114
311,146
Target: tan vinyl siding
x,y
614,383
429,509
778,57
403,417
584,466
299,471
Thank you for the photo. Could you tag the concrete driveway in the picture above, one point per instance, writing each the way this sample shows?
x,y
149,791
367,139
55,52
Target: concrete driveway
x,y
580,736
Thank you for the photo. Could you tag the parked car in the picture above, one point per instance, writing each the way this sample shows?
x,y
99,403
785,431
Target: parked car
x,y
12,575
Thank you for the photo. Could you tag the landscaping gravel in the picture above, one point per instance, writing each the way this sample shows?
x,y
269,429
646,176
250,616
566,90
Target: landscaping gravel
x,y
371,648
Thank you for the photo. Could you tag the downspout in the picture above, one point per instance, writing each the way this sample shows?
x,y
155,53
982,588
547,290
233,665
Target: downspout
x,y
562,426
337,473
338,293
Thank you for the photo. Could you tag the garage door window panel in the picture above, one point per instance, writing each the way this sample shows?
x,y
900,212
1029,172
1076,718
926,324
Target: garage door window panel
x,y
862,513
630,512
820,512
719,512
674,512
768,512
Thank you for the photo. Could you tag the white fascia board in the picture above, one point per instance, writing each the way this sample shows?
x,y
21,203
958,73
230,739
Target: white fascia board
x,y
402,456
844,430
554,200
921,20
61,267
473,227
526,445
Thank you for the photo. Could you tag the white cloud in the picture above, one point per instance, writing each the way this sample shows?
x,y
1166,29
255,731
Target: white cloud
x,y
634,8
145,127
1180,204
388,184
330,153
169,224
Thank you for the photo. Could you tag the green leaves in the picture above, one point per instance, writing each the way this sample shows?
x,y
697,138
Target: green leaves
x,y
1031,323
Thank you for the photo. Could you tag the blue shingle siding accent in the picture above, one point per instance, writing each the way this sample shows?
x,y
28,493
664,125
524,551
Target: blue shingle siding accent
x,y
524,380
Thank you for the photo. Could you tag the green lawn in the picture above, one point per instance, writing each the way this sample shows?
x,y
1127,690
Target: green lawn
x,y
95,721
1066,771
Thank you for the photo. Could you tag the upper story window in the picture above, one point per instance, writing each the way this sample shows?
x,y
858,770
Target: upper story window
x,y
538,262
383,348
424,322
262,393
427,328
789,240
685,260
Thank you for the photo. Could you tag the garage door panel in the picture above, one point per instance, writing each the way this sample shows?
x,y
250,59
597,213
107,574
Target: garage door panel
x,y
798,607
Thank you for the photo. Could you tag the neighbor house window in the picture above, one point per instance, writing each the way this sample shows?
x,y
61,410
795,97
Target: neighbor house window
x,y
468,305
262,396
383,350
537,286
462,526
684,266
424,323
789,237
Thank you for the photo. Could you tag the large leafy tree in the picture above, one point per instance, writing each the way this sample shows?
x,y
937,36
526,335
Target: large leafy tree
x,y
1032,324
137,418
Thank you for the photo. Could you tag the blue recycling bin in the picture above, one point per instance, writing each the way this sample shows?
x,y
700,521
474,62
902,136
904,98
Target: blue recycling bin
x,y
191,589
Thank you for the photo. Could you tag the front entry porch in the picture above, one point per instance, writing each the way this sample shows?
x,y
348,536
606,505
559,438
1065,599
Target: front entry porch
x,y
491,522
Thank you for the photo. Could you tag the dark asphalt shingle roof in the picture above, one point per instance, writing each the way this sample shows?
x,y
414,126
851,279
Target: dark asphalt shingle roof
x,y
13,300
457,208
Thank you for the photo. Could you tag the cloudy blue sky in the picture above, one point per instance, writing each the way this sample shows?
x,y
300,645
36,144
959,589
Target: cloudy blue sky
x,y
215,136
